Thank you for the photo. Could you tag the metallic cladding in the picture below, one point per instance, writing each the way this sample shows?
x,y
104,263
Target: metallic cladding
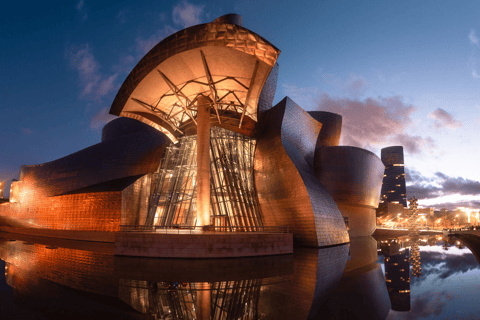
x,y
265,101
99,211
95,189
351,175
331,128
134,154
353,178
124,126
289,193
213,37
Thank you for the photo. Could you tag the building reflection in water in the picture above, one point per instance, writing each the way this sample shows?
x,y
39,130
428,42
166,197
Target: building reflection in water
x,y
361,293
396,261
55,277
189,300
341,282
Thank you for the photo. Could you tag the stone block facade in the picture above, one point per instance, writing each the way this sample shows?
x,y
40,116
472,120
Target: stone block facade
x,y
230,245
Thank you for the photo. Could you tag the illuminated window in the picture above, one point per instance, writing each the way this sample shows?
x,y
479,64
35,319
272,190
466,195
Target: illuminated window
x,y
398,165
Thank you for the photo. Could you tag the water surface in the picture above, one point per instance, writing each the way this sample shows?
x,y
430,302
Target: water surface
x,y
398,278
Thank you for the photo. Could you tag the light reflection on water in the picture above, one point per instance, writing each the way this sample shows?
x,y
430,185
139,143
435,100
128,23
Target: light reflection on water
x,y
367,279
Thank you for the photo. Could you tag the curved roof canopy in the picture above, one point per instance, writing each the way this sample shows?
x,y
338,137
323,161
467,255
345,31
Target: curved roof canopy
x,y
221,60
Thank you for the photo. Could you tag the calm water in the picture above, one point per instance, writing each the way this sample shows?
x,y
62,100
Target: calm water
x,y
426,278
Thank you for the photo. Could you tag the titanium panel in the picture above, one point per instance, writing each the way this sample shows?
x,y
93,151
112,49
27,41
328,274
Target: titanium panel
x,y
352,175
289,193
220,59
331,128
127,155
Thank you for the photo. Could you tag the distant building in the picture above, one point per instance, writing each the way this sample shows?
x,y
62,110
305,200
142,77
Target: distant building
x,y
393,187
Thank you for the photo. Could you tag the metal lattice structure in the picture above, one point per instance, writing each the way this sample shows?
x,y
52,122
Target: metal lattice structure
x,y
233,197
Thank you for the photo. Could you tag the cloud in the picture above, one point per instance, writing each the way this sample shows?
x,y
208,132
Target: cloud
x,y
441,185
122,16
473,60
414,144
444,120
186,14
354,87
144,45
125,64
94,84
473,38
376,122
82,12
428,303
26,131
442,265
101,118
305,97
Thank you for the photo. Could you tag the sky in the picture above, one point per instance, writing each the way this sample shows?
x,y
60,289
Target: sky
x,y
399,72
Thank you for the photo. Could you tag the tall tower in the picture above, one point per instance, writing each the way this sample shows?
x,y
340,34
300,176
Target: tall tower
x,y
393,187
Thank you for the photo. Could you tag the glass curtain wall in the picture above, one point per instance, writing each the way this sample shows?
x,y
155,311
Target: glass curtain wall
x,y
233,198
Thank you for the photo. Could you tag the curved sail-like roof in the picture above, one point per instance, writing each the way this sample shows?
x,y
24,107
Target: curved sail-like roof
x,y
221,60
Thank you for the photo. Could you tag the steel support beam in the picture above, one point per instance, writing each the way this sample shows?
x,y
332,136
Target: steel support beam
x,y
213,90
177,93
203,160
249,92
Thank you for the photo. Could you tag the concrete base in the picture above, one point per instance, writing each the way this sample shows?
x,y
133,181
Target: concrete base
x,y
223,245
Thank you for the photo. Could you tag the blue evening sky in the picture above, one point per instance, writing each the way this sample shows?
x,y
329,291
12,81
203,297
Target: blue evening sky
x,y
400,73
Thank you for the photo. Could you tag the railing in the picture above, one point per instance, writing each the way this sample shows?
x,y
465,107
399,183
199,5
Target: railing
x,y
202,229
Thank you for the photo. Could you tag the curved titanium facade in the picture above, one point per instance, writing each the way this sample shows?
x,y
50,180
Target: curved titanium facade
x,y
353,178
351,175
128,155
95,189
218,75
289,193
221,60
265,101
331,128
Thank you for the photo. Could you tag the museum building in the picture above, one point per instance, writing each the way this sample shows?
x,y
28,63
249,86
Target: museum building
x,y
200,146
